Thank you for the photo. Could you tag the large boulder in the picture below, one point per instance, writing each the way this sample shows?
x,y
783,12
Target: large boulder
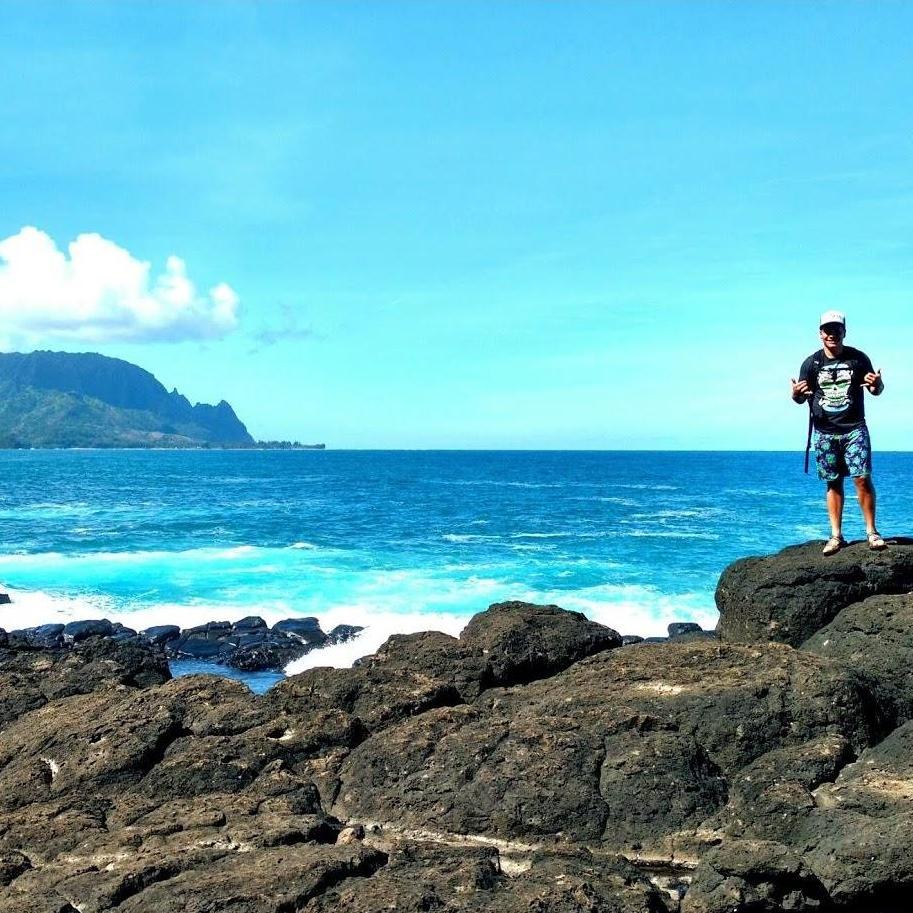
x,y
788,596
875,637
31,678
632,748
509,643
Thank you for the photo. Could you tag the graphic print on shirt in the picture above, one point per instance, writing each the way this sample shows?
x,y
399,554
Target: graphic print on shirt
x,y
834,383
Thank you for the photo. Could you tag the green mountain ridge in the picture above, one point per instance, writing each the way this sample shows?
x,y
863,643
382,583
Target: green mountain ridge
x,y
62,399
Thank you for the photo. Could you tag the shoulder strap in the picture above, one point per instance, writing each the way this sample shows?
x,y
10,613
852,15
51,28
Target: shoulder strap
x,y
816,363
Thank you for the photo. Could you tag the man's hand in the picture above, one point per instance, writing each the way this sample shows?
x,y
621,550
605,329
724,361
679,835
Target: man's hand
x,y
873,381
800,390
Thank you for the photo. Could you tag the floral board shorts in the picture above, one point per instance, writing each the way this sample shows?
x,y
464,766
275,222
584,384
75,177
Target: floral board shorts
x,y
841,455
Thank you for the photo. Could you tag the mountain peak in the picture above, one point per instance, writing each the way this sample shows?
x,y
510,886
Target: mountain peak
x,y
65,399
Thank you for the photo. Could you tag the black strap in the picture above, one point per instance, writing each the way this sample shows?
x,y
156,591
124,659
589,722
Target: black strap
x,y
815,365
808,443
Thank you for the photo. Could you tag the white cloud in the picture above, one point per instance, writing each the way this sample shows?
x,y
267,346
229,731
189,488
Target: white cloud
x,y
97,291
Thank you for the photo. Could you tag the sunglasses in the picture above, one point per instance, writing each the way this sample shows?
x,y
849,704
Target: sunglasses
x,y
832,329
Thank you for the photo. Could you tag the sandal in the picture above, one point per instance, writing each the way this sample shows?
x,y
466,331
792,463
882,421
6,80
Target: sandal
x,y
833,545
876,543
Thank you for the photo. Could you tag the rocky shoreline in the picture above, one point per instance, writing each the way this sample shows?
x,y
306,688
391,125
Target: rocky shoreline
x,y
249,644
540,763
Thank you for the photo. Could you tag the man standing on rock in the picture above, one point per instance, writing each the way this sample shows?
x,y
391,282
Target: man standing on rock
x,y
832,380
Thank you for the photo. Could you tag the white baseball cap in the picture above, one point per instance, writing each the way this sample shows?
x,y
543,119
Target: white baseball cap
x,y
833,317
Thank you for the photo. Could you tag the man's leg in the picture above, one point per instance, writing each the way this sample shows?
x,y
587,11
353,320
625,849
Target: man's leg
x,y
859,463
865,491
835,507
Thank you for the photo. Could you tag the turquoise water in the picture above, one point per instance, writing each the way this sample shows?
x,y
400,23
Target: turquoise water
x,y
397,541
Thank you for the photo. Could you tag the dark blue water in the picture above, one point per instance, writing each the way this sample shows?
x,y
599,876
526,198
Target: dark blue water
x,y
398,540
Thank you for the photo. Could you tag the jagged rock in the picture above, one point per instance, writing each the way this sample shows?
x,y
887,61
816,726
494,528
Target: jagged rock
x,y
633,748
875,636
161,634
12,865
342,633
523,642
497,772
678,628
753,877
4,638
308,629
250,623
5,599
509,643
30,679
41,637
789,596
80,630
421,877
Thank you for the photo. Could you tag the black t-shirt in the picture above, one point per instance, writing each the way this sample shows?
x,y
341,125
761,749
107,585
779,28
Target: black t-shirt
x,y
837,404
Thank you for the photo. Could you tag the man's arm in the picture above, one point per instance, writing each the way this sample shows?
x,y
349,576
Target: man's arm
x,y
871,379
873,382
801,390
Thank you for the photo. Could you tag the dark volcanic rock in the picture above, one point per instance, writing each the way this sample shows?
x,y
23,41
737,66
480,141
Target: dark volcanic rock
x,y
523,642
788,596
248,644
875,637
5,599
250,623
40,637
161,634
80,630
498,772
342,633
631,747
422,877
30,679
756,876
507,644
678,628
308,629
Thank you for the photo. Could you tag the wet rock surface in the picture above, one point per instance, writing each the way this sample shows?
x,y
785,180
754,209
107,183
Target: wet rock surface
x,y
249,644
537,763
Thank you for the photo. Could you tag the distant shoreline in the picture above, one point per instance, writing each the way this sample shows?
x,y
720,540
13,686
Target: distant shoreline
x,y
257,446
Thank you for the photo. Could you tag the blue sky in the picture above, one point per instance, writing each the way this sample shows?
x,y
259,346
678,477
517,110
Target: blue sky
x,y
458,224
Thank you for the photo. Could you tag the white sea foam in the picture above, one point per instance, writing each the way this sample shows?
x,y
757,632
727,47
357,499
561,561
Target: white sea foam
x,y
303,545
30,608
379,627
628,609
642,486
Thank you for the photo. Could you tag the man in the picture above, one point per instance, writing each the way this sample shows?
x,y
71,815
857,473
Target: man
x,y
833,379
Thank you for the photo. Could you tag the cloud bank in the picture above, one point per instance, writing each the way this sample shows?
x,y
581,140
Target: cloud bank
x,y
96,291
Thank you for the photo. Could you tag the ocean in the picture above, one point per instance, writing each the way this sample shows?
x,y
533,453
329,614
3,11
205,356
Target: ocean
x,y
399,541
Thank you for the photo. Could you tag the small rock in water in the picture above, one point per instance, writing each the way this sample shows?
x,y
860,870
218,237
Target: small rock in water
x,y
250,623
307,629
160,634
80,630
342,633
677,628
5,599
